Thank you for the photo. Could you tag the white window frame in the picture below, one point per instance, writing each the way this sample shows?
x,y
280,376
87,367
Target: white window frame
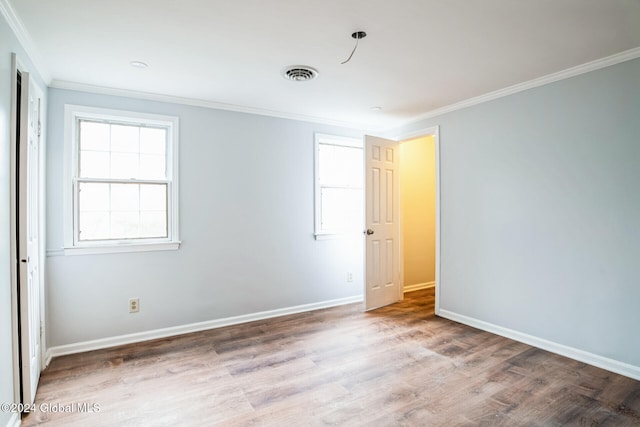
x,y
344,141
72,245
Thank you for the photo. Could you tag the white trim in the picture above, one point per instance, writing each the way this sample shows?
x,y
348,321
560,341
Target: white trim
x,y
540,81
344,141
42,204
193,102
71,244
18,28
341,141
42,216
405,136
608,61
612,365
436,141
419,286
433,131
14,421
194,327
47,358
54,252
112,249
67,175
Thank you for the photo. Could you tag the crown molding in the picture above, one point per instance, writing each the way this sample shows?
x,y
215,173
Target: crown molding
x,y
597,64
18,28
24,38
608,61
102,90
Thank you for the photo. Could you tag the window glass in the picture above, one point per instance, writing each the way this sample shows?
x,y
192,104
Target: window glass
x,y
123,177
120,210
339,185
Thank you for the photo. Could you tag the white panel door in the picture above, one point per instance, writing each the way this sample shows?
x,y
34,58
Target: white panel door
x,y
382,270
29,234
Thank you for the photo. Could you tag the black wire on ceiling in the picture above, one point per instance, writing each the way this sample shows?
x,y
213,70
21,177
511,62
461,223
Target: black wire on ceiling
x,y
357,35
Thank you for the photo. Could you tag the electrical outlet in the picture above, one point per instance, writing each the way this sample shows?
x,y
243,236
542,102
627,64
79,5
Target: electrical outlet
x,y
134,305
349,277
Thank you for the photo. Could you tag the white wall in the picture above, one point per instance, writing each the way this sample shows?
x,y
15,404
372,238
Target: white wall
x,y
246,222
540,209
8,45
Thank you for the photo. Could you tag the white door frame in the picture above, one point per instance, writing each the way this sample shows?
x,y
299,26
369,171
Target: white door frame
x,y
433,131
18,66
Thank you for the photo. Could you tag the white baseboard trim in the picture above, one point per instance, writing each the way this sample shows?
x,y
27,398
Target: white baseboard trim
x,y
14,421
47,358
419,286
98,344
612,365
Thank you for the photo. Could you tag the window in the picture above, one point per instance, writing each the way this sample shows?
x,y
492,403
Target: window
x,y
122,181
339,190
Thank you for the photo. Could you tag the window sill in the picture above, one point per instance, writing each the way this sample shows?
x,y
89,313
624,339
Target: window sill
x,y
122,248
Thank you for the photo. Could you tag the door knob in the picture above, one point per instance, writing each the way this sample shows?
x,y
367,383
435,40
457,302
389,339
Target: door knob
x,y
369,232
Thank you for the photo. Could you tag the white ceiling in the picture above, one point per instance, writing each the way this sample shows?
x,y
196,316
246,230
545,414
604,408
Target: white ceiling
x,y
418,56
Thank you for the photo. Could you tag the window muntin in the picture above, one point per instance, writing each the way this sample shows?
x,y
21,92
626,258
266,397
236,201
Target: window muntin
x,y
339,185
123,175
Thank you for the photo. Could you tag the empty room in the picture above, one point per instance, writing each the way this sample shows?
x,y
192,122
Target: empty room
x,y
358,213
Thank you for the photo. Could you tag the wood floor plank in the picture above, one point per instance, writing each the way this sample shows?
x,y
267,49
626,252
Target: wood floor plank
x,y
396,366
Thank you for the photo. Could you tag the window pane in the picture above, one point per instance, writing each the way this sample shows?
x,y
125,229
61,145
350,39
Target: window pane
x,y
153,198
94,136
125,197
124,165
125,225
153,224
93,197
125,138
122,211
152,166
340,166
341,210
93,225
94,164
153,141
351,167
325,163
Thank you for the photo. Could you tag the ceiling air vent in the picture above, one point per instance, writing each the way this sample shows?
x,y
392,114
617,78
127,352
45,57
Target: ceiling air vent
x,y
299,73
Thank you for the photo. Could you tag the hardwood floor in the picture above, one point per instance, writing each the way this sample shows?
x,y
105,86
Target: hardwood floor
x,y
396,366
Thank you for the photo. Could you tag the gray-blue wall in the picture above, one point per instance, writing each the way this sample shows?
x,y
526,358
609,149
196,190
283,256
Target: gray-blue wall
x,y
246,223
540,212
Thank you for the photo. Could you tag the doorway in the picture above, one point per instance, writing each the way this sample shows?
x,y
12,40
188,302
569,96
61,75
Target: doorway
x,y
27,227
429,217
417,213
383,261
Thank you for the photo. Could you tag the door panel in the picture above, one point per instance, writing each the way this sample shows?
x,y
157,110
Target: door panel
x,y
382,270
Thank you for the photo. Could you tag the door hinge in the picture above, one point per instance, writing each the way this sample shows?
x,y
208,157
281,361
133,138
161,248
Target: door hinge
x,y
39,129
